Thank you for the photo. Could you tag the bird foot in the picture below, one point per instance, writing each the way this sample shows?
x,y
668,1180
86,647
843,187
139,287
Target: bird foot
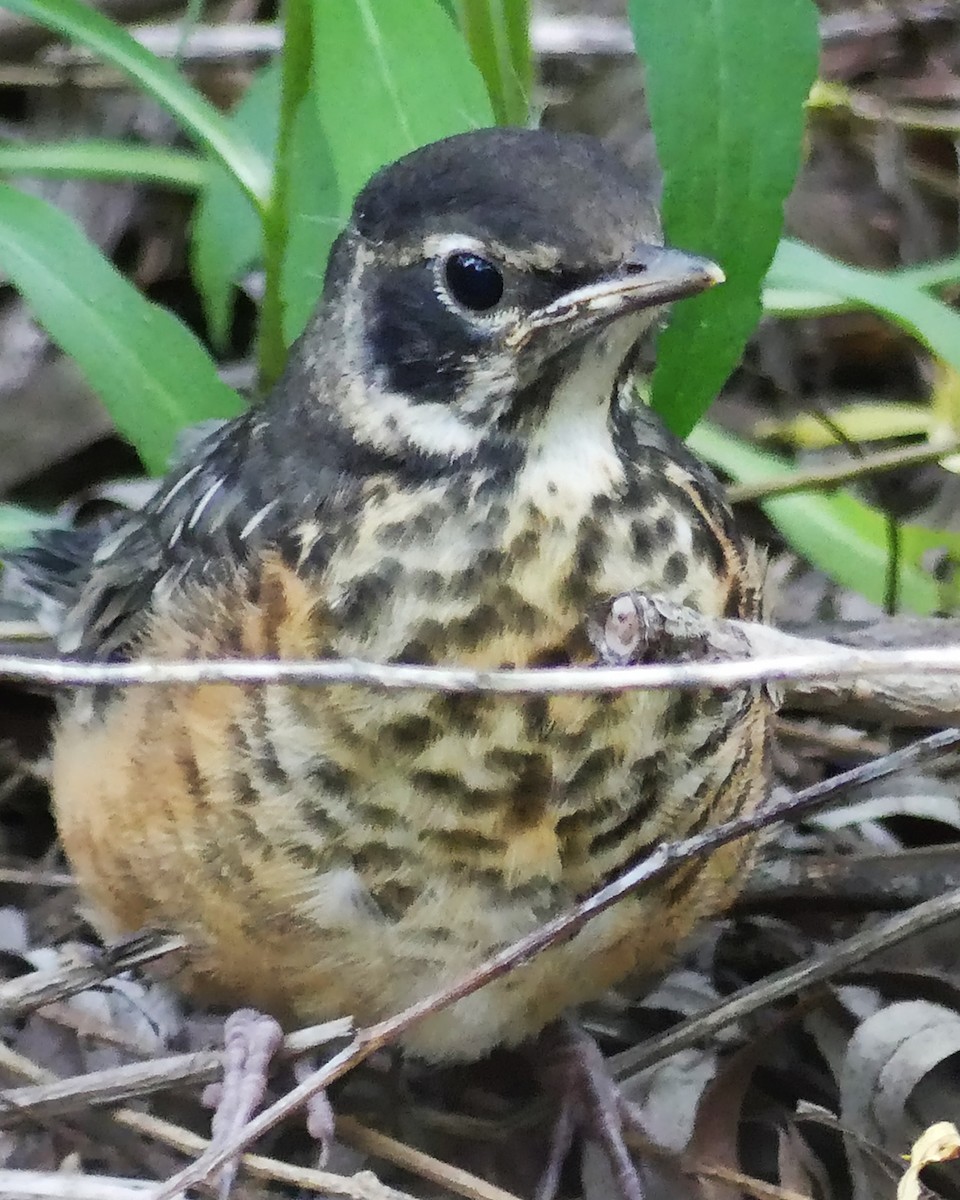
x,y
589,1102
320,1120
250,1043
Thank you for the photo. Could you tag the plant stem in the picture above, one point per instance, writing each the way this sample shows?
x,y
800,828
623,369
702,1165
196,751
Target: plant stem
x,y
295,81
821,478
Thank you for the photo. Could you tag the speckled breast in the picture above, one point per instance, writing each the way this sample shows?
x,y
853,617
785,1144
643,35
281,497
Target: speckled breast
x,y
468,818
344,850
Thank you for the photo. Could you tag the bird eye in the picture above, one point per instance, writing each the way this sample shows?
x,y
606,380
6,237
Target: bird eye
x,y
473,281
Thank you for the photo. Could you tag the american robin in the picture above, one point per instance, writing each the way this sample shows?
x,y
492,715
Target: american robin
x,y
452,470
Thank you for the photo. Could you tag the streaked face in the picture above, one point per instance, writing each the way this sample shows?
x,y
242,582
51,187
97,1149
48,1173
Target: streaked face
x,y
480,272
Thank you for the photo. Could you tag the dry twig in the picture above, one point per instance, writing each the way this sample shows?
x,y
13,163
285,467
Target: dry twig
x,y
23,995
135,1080
788,982
362,1186
916,685
834,474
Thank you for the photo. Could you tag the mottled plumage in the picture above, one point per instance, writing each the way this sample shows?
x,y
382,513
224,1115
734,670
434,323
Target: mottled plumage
x,y
430,482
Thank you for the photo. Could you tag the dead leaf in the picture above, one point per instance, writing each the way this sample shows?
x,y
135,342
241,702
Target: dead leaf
x,y
937,1144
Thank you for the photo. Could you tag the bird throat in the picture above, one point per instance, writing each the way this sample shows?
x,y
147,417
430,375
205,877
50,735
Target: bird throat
x,y
573,449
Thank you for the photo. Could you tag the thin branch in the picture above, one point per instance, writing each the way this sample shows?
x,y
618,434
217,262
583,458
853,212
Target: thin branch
x,y
362,1186
60,1185
203,45
905,678
819,478
871,882
23,995
788,982
675,647
454,1179
136,1080
560,929
918,698
801,665
748,1184
35,878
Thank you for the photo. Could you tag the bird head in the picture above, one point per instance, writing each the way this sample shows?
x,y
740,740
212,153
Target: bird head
x,y
480,273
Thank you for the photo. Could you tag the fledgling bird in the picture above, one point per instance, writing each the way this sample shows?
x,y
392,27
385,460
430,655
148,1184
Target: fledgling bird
x,y
454,469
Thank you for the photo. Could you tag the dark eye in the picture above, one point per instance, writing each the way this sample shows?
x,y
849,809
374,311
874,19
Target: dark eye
x,y
473,281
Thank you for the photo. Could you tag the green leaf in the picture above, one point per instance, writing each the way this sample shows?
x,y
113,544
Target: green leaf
x,y
82,23
782,299
18,525
150,371
931,322
941,273
317,214
785,293
388,78
845,538
726,82
103,159
227,234
498,34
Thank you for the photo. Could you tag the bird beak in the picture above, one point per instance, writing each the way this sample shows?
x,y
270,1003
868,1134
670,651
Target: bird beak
x,y
651,276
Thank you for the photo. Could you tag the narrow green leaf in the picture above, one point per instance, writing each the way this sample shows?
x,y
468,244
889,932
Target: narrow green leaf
x,y
150,371
497,32
82,23
317,214
18,525
837,533
783,298
227,233
726,82
387,79
780,299
941,273
98,158
931,322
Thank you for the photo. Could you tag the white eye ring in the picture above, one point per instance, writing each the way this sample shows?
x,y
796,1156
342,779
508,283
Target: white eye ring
x,y
441,251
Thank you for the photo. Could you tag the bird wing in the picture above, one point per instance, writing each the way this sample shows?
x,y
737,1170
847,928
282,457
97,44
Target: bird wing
x,y
99,581
219,505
